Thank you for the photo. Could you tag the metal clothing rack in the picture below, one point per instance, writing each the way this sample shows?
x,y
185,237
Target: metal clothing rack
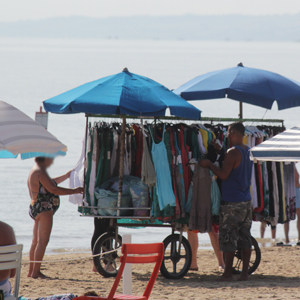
x,y
207,119
170,118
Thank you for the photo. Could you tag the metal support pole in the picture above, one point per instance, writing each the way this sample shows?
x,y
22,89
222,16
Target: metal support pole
x,y
241,110
121,173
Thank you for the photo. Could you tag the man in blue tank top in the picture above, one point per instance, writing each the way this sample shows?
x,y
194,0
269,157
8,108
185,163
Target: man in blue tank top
x,y
236,206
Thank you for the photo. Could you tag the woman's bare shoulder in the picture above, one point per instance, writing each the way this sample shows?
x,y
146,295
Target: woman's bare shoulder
x,y
34,173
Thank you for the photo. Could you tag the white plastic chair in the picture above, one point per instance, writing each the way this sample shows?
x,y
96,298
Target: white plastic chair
x,y
11,258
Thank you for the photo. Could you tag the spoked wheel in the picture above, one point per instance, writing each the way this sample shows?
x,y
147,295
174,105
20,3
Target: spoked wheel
x,y
178,257
107,264
254,260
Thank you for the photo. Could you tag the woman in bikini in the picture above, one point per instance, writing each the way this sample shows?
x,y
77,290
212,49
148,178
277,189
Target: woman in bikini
x,y
44,194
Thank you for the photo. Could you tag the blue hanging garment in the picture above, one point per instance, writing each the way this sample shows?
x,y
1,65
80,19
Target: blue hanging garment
x,y
163,177
215,195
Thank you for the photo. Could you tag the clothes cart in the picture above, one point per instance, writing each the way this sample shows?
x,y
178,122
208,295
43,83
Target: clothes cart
x,y
178,254
127,95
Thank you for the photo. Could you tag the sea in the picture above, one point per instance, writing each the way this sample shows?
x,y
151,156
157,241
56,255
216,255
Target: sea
x,y
33,70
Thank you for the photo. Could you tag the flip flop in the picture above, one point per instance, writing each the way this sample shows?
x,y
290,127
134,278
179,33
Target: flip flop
x,y
281,244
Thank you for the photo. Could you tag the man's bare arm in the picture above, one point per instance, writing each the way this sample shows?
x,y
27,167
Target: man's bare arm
x,y
227,166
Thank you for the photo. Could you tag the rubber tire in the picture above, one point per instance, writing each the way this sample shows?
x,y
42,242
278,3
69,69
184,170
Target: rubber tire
x,y
185,243
97,249
253,268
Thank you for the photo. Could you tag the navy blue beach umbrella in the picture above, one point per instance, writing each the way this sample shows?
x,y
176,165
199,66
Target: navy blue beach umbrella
x,y
249,85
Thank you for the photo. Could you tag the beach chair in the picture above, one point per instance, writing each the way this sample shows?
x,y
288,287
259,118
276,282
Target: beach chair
x,y
135,254
11,258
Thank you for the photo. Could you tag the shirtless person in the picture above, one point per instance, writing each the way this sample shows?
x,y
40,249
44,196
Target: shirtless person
x,y
236,206
7,238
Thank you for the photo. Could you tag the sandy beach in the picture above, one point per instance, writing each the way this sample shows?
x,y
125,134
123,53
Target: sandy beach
x,y
278,277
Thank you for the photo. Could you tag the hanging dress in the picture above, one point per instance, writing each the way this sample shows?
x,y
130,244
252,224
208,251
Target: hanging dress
x,y
201,215
163,177
148,175
179,180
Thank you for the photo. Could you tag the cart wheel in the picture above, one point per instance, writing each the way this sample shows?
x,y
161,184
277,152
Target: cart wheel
x,y
254,260
108,264
178,257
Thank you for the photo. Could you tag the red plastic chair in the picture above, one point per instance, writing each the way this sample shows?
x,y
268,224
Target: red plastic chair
x,y
135,254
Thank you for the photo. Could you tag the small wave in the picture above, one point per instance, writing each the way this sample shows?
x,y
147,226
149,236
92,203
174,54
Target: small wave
x,y
68,250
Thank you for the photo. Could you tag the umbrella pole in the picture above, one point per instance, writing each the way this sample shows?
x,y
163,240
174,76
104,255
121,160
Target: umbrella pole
x,y
121,172
241,110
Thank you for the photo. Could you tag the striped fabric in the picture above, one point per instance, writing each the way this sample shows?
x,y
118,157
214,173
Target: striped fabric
x,y
284,146
19,134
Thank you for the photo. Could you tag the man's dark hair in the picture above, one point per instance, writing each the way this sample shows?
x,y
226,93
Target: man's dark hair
x,y
238,127
39,159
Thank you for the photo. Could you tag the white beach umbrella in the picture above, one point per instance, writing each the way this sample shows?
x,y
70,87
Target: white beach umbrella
x,y
19,134
284,146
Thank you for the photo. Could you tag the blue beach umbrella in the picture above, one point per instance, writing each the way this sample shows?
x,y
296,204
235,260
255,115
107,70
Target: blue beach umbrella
x,y
125,94
249,85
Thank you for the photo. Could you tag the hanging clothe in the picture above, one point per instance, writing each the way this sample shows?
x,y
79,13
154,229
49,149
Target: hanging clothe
x,y
201,215
89,153
266,213
215,195
290,190
253,189
201,145
178,188
93,167
148,174
115,156
163,177
179,175
139,150
184,158
181,143
275,194
77,177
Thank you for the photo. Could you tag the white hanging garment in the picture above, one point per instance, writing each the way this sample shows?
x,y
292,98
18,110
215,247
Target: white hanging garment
x,y
77,177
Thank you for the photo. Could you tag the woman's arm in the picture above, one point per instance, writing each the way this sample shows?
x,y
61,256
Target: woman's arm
x,y
50,186
62,178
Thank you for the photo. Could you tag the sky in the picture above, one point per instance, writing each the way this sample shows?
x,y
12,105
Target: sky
x,y
16,10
